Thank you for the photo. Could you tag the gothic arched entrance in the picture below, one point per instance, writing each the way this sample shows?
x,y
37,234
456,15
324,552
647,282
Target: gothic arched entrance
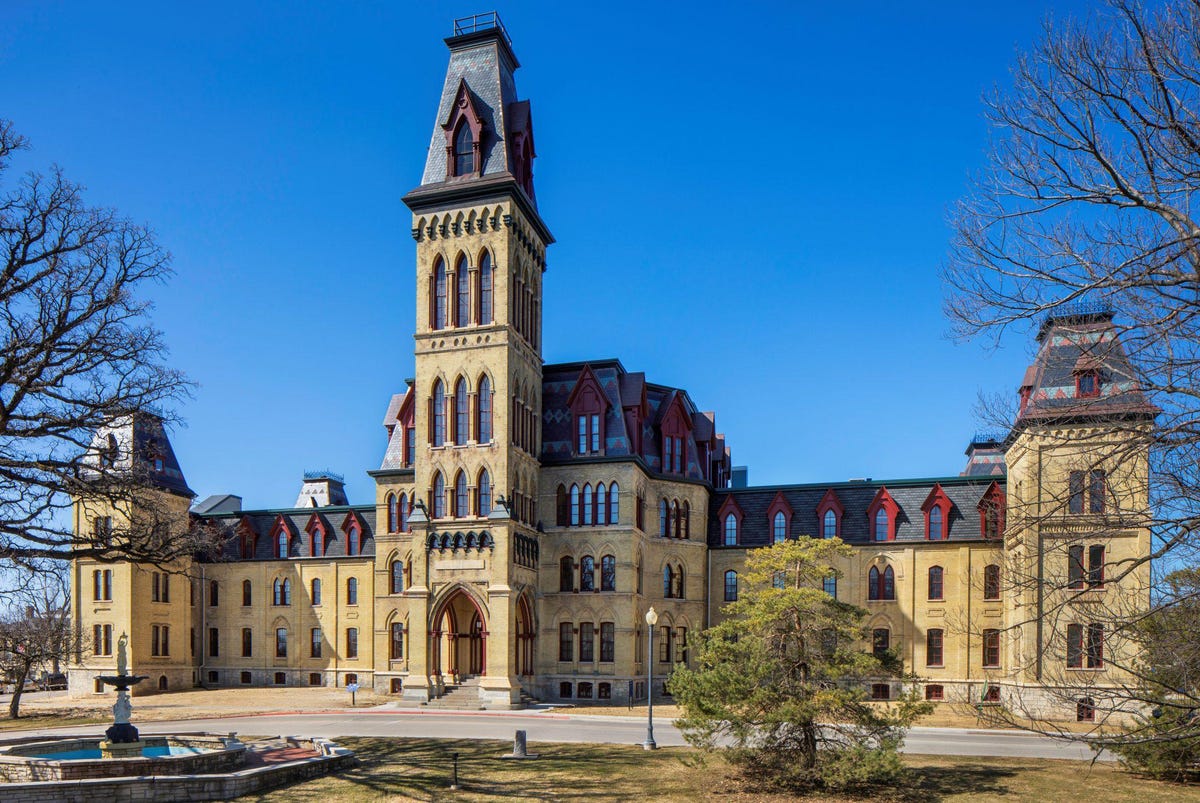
x,y
459,636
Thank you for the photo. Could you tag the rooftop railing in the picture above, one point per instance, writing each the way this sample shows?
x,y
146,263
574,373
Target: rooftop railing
x,y
481,22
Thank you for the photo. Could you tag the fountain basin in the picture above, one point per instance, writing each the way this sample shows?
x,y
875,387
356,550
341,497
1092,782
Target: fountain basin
x,y
76,759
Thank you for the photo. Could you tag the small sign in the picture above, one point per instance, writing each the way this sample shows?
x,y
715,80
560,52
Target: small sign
x,y
352,687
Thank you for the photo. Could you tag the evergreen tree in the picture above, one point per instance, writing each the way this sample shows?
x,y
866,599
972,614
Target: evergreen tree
x,y
781,681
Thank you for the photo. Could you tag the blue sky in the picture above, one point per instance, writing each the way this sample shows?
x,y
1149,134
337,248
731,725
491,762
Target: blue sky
x,y
750,202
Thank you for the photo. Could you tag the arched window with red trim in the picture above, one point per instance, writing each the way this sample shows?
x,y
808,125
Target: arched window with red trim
x,y
393,517
937,508
439,294
487,279
460,496
438,417
881,585
464,150
437,501
829,515
281,544
462,293
483,411
882,515
316,534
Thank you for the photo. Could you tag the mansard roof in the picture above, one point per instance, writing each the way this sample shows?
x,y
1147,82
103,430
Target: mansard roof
x,y
132,443
1071,342
624,391
297,521
856,498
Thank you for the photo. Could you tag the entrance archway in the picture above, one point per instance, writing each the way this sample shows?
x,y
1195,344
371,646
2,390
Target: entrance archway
x,y
458,636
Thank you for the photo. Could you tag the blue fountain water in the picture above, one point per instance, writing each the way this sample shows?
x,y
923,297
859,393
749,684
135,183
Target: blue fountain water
x,y
156,751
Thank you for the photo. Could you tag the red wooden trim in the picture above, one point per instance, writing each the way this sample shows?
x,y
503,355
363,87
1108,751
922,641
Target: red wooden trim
x,y
994,495
779,504
937,498
883,499
463,109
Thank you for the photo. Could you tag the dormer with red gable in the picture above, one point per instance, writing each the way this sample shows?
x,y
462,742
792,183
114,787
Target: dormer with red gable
x,y
247,538
589,407
281,538
992,511
779,518
830,511
937,507
675,425
316,536
464,131
882,515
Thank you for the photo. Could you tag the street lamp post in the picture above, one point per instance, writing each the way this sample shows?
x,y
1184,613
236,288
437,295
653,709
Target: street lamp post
x,y
651,621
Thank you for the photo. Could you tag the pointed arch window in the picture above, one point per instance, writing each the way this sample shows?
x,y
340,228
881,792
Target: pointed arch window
x,y
829,514
685,516
614,506
315,591
882,516
464,150
403,506
574,505
281,545
779,528
247,594
316,537
462,407
663,525
487,278
673,522
587,504
393,517
731,586
484,493
668,581
460,496
438,497
396,573
608,573
439,294
881,585
935,524
438,402
483,411
353,539
829,525
462,293
587,573
281,592
731,530
937,508
566,574
352,591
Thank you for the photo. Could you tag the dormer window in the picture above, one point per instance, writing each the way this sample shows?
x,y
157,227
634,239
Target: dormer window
x,y
464,150
882,516
588,404
1087,384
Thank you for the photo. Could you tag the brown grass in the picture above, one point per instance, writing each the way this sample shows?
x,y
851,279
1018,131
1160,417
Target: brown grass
x,y
419,770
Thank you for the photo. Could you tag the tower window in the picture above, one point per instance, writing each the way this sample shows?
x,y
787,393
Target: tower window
x,y
462,293
483,410
464,150
439,413
1087,384
731,530
439,291
486,280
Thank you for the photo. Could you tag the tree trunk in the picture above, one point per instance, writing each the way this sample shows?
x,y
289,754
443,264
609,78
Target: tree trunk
x,y
808,746
14,705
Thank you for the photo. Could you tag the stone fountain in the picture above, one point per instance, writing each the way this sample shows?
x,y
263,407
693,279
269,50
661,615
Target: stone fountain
x,y
122,741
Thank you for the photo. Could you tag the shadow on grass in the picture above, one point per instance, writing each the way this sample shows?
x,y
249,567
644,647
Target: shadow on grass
x,y
936,783
421,769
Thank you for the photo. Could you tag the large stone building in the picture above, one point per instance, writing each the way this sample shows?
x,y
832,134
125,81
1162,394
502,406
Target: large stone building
x,y
526,516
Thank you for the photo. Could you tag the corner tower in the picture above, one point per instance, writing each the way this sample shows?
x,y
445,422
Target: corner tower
x,y
476,398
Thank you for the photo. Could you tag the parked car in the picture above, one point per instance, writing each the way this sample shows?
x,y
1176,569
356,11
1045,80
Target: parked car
x,y
53,682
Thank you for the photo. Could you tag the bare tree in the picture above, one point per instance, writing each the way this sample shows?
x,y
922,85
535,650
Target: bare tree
x,y
35,631
1090,201
77,353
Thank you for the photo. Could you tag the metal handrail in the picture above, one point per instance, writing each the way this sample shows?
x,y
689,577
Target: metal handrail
x,y
481,22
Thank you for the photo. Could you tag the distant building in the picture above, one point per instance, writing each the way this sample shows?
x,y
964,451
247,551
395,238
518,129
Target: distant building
x,y
526,515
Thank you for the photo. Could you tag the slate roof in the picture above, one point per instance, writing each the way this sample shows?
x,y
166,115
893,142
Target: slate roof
x,y
1072,342
296,520
485,63
856,497
623,390
132,442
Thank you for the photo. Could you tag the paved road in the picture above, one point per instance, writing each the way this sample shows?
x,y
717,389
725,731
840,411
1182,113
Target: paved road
x,y
549,727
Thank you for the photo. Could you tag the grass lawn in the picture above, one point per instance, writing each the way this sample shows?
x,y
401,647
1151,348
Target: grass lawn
x,y
29,722
419,769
